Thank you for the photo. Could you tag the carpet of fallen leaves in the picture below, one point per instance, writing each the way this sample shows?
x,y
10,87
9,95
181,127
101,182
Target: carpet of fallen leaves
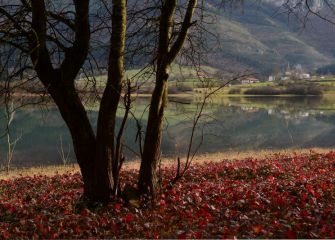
x,y
278,197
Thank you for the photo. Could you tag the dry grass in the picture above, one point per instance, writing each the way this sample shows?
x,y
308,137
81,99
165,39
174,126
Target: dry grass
x,y
43,170
211,157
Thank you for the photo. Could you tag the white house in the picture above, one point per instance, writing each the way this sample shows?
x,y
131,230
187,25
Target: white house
x,y
250,80
305,76
284,78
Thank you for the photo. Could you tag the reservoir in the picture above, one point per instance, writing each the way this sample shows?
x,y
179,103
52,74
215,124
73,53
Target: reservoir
x,y
226,124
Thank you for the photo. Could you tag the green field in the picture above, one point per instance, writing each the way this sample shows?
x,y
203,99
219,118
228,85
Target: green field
x,y
182,80
185,82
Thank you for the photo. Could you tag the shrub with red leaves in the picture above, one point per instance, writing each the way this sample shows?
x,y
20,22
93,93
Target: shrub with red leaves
x,y
278,197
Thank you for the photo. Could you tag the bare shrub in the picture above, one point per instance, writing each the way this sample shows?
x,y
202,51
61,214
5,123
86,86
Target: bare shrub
x,y
263,91
235,91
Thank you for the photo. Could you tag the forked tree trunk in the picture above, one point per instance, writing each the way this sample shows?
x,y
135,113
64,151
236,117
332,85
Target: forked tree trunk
x,y
60,85
148,182
98,158
107,155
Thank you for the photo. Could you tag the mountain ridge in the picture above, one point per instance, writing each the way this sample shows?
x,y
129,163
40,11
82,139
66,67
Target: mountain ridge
x,y
260,38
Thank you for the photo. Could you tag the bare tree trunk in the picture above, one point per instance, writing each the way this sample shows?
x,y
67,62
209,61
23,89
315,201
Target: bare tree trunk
x,y
10,146
100,157
75,117
148,181
60,84
107,156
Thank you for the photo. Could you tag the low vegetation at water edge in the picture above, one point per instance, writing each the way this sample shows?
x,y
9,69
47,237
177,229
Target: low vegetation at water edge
x,y
301,90
277,197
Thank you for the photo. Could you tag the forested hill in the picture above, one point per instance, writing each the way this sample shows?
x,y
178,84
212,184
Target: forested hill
x,y
262,37
258,36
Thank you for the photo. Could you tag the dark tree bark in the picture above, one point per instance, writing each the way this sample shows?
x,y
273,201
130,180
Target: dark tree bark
x,y
98,156
166,54
60,83
108,151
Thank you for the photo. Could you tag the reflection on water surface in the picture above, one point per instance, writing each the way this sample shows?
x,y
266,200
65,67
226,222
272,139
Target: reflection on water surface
x,y
232,123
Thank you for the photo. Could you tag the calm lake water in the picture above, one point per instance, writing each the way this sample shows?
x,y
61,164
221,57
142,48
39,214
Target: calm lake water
x,y
228,124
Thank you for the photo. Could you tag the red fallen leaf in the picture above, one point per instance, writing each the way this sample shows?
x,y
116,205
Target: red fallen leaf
x,y
257,229
304,197
275,223
66,212
114,226
104,221
304,213
54,236
327,211
290,234
23,221
39,227
324,229
279,167
9,208
182,235
172,192
324,186
310,189
162,202
197,235
202,223
297,226
85,212
280,201
6,234
43,229
77,229
129,217
117,206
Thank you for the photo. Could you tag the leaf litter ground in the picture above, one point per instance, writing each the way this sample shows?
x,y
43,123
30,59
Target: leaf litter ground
x,y
277,197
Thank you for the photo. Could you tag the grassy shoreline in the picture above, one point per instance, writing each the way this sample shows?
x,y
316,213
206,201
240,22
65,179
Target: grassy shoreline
x,y
200,159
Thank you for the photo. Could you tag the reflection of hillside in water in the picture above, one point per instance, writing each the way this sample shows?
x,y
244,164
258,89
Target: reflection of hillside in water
x,y
228,124
266,123
288,107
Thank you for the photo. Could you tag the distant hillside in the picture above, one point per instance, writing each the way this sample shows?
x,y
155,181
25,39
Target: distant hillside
x,y
329,69
255,36
259,37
